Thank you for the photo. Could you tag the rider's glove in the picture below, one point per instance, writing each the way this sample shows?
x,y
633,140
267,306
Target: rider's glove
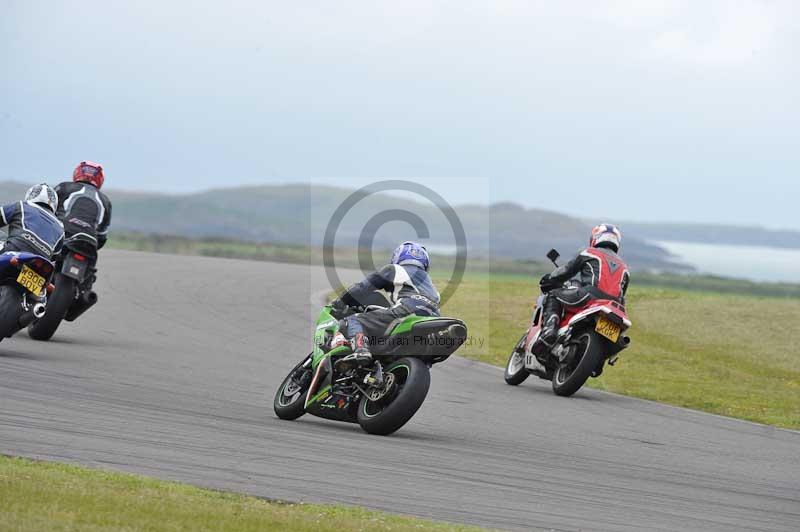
x,y
338,306
546,283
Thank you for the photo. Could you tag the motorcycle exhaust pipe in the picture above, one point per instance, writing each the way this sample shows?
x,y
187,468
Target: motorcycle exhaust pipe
x,y
36,313
86,301
625,341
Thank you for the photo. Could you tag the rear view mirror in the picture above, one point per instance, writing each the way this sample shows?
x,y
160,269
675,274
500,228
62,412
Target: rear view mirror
x,y
553,255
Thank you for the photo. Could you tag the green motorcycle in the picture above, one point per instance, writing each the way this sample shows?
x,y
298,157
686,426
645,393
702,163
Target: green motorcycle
x,y
382,396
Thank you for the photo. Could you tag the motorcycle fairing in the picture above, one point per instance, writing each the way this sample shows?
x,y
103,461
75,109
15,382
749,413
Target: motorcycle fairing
x,y
40,264
613,310
432,337
322,401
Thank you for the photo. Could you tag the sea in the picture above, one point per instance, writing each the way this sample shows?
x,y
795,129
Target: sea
x,y
742,262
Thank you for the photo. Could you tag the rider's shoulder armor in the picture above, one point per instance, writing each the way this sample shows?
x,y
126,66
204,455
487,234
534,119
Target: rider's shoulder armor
x,y
419,283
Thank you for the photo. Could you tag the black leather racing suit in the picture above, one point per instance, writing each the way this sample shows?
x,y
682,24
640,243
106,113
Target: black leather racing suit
x,y
410,291
86,214
31,228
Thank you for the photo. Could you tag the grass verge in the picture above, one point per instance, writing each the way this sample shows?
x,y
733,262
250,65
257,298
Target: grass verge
x,y
37,496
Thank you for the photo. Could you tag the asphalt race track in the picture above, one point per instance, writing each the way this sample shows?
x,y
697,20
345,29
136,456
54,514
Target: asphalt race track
x,y
172,375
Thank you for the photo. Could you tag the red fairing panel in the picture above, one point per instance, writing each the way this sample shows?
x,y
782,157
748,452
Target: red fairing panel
x,y
598,305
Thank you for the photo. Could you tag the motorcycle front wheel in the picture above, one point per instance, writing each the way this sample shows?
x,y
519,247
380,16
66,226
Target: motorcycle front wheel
x,y
387,411
516,373
290,400
573,374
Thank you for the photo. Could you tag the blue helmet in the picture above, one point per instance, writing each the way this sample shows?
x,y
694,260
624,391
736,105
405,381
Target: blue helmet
x,y
412,253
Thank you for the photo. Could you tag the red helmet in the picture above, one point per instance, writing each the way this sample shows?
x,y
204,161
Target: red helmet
x,y
608,234
89,172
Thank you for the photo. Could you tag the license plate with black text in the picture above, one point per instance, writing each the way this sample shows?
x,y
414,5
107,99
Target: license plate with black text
x,y
31,281
609,329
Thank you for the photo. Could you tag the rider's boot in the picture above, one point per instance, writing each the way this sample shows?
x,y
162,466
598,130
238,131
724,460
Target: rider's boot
x,y
551,319
360,356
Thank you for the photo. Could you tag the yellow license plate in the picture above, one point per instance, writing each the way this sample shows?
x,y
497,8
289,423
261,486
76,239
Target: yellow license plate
x,y
31,280
608,328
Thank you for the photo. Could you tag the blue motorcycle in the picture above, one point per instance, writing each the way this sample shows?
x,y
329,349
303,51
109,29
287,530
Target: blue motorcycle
x,y
24,285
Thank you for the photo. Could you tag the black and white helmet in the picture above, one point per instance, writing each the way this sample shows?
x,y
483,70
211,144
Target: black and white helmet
x,y
42,195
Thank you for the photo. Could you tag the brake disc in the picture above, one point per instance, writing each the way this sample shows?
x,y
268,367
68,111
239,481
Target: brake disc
x,y
291,389
376,394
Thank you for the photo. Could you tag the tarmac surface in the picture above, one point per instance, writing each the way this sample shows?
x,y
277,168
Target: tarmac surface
x,y
172,375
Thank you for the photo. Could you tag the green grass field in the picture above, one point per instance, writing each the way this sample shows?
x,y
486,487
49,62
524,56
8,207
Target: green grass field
x,y
36,496
734,355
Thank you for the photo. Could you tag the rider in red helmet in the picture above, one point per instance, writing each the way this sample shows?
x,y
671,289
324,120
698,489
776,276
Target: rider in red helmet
x,y
598,272
89,172
85,211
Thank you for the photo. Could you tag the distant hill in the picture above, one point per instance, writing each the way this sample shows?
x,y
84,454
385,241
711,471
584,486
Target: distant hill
x,y
299,214
718,234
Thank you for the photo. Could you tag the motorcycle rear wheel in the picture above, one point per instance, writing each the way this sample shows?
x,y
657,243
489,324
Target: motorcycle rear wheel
x,y
389,414
58,305
10,311
570,377
516,373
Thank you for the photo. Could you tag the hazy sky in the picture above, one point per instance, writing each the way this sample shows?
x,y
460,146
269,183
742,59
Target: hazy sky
x,y
649,110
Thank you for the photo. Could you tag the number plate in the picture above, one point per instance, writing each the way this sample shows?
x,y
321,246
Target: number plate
x,y
608,328
31,280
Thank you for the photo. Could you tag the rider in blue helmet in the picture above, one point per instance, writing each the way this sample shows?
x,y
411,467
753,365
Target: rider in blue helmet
x,y
410,291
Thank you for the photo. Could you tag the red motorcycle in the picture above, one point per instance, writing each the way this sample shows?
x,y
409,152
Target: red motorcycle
x,y
588,337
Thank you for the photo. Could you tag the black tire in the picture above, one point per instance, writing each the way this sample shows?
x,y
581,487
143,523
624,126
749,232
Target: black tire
x,y
58,304
569,378
10,311
516,373
295,407
384,417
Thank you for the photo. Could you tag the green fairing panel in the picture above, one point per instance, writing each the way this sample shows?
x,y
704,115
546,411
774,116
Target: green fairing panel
x,y
326,324
325,316
322,394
